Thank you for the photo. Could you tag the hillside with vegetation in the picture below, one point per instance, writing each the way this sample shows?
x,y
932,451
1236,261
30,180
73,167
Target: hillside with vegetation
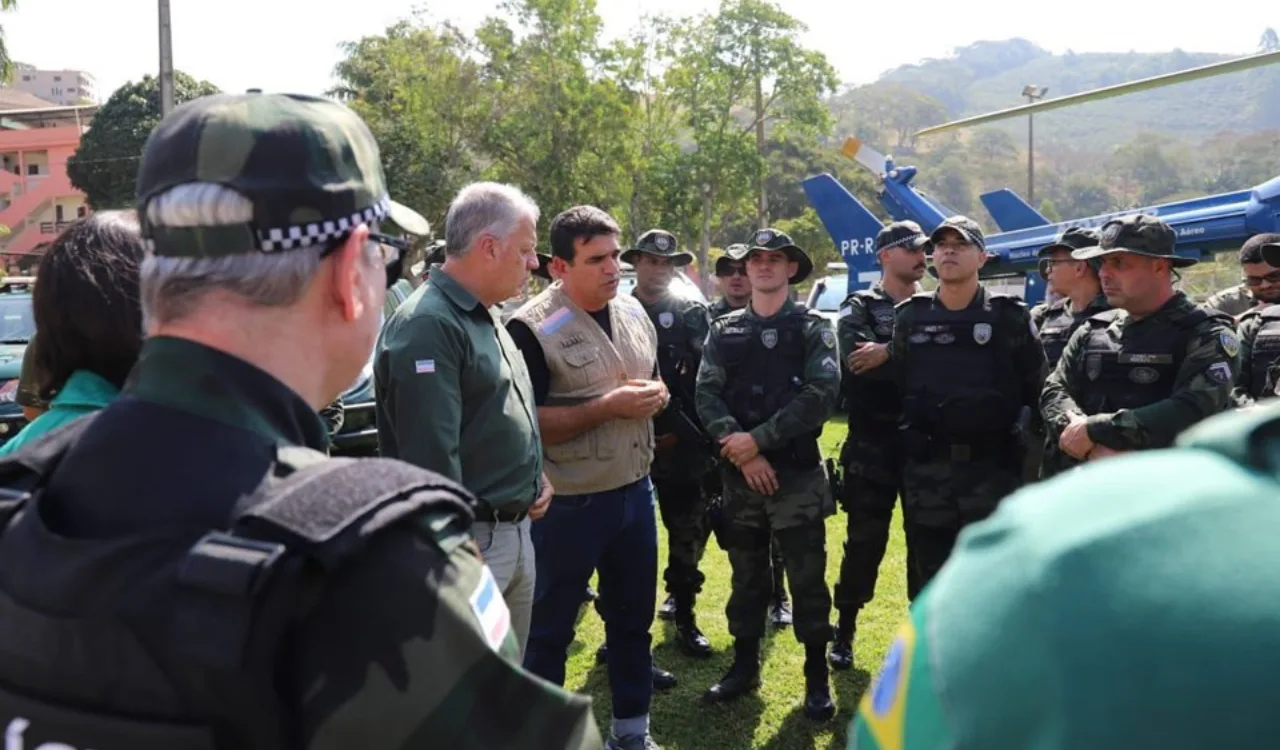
x,y
707,125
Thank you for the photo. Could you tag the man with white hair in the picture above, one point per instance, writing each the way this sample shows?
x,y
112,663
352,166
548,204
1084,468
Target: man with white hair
x,y
186,568
453,391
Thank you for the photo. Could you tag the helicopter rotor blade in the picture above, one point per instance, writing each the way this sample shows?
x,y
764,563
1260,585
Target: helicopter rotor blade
x,y
1144,84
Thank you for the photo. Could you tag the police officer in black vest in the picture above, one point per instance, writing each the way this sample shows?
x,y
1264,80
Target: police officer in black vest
x,y
1135,376
871,458
970,371
1081,297
683,452
1259,327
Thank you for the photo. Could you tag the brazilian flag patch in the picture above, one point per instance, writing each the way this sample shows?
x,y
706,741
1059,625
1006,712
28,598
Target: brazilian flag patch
x,y
883,708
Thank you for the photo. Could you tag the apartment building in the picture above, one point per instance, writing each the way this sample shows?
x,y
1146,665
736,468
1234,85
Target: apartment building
x,y
58,86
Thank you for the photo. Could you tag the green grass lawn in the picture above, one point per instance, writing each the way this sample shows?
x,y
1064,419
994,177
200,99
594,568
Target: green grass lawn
x,y
771,718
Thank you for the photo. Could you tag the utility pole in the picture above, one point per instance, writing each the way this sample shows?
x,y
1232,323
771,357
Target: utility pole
x,y
166,60
1032,93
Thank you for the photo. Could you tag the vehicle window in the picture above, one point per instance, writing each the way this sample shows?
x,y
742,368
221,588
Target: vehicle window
x,y
17,322
832,295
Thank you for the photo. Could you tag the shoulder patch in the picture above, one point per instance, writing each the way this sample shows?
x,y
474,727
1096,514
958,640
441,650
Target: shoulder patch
x,y
828,338
491,610
1219,372
1230,344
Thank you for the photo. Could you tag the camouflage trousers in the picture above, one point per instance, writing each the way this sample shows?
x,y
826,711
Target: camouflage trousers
x,y
713,487
683,506
793,516
871,460
942,497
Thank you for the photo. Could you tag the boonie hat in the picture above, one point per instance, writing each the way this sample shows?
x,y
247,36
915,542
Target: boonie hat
x,y
309,166
658,243
1140,234
772,239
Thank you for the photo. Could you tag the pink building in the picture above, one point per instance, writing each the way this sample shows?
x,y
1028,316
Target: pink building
x,y
37,200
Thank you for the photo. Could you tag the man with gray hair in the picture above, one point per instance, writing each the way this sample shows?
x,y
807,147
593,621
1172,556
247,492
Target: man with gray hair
x,y
227,584
453,392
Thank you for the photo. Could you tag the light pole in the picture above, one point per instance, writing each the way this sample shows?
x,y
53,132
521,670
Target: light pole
x,y
1032,92
166,60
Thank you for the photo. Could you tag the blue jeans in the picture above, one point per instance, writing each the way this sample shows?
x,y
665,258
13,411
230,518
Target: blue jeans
x,y
613,532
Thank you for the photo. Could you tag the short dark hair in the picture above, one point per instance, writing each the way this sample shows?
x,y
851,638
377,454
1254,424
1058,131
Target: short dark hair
x,y
1251,250
86,302
579,223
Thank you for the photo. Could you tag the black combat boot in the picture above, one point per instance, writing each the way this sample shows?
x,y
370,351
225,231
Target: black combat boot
x,y
817,690
743,676
691,640
668,609
841,655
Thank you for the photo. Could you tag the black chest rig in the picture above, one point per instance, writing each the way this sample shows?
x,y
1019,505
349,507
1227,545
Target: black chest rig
x,y
1137,368
764,370
1056,330
676,362
961,383
1264,362
870,400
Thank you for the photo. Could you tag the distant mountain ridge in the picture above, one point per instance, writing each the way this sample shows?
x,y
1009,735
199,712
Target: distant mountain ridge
x,y
990,75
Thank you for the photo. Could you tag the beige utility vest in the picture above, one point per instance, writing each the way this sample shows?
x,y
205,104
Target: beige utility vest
x,y
585,364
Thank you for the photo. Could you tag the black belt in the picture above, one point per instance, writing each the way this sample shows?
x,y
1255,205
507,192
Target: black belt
x,y
486,513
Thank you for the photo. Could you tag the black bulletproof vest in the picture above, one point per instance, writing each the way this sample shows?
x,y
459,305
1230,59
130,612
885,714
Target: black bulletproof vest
x,y
172,639
764,370
961,383
675,354
1264,360
869,400
1056,330
1137,371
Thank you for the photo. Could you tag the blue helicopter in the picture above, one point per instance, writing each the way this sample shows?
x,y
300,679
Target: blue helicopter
x,y
1204,225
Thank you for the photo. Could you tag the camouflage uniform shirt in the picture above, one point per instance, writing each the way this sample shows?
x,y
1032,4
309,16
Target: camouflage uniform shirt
x,y
807,412
1232,300
1201,387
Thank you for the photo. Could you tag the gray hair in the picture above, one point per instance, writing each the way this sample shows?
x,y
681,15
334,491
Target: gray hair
x,y
485,207
172,288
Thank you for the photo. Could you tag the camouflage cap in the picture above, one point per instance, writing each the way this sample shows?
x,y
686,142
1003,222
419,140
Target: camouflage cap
x,y
906,234
1074,238
310,167
968,229
659,243
772,239
1271,253
1140,234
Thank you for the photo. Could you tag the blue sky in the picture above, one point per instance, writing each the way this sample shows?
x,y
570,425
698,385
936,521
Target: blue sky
x,y
292,45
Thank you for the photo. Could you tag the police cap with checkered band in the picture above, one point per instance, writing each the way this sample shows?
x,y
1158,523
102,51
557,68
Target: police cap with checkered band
x,y
310,167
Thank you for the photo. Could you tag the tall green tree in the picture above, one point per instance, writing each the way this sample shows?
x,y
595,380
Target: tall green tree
x,y
105,166
424,99
737,74
6,63
559,126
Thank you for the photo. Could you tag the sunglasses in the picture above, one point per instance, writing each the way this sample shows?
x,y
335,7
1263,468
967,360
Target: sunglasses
x,y
1271,278
733,271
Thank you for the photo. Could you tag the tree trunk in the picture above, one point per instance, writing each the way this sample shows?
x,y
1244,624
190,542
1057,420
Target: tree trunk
x,y
704,247
762,211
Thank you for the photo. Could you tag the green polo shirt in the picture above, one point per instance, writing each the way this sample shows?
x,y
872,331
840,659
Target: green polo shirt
x,y
454,395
